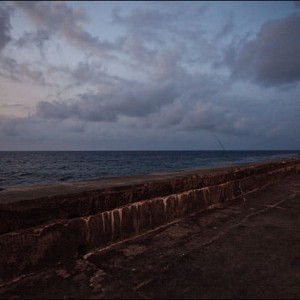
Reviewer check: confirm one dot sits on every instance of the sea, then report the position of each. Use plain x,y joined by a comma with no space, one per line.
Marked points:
19,168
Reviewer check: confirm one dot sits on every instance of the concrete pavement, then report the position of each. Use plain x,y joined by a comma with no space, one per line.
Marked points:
246,249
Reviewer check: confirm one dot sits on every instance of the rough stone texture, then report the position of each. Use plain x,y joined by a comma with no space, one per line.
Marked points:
42,231
242,250
29,206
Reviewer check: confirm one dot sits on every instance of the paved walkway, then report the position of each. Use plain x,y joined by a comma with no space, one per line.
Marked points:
247,249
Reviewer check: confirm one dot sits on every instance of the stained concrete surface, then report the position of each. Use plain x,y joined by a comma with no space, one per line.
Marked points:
247,249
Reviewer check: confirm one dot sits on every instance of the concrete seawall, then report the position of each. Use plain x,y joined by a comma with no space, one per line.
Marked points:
45,225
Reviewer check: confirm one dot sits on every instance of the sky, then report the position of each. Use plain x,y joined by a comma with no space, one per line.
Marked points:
149,75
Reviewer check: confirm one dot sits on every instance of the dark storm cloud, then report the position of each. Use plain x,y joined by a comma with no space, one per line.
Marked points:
118,96
4,25
271,58
57,17
175,99
166,82
133,101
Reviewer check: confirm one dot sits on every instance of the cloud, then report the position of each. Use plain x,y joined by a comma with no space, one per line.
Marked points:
146,30
32,133
162,90
87,75
121,97
150,31
37,38
92,72
226,29
272,58
206,110
134,101
57,17
20,72
5,25
297,4
9,127
157,115
141,18
171,98
134,46
154,25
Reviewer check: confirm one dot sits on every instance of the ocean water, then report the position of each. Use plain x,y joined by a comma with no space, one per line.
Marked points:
24,168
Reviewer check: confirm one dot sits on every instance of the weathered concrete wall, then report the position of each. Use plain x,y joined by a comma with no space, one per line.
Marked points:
41,230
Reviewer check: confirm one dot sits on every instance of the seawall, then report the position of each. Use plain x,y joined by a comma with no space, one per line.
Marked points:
43,225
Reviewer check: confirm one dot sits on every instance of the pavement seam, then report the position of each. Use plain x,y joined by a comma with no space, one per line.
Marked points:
158,229
213,239
166,262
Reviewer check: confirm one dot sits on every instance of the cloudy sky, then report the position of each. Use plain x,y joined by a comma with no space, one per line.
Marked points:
153,75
